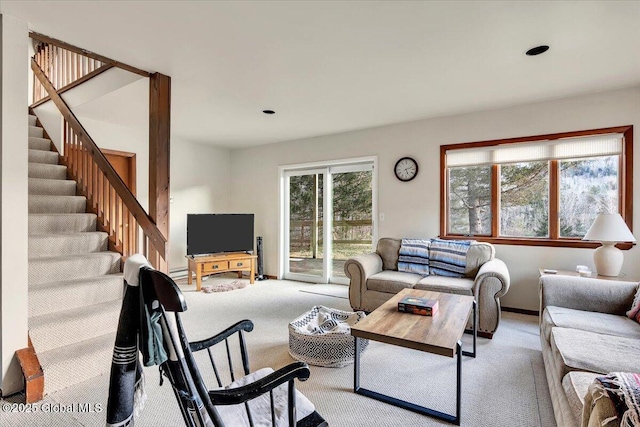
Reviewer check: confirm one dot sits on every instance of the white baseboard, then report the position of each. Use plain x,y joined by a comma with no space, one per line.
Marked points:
179,273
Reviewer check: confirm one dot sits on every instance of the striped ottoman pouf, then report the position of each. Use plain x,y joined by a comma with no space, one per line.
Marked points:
322,337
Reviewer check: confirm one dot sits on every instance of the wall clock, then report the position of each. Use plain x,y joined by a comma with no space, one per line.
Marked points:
406,169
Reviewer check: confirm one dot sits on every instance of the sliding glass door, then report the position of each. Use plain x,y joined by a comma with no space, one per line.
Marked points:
328,217
352,215
305,214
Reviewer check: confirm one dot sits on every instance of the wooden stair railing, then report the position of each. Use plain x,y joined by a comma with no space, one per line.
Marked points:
119,212
58,67
67,66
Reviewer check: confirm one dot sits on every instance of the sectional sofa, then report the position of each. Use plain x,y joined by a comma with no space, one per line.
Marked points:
585,334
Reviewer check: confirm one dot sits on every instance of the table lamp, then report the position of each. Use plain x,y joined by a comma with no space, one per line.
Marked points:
608,229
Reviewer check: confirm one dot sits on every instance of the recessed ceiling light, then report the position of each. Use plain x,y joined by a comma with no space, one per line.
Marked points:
537,50
268,111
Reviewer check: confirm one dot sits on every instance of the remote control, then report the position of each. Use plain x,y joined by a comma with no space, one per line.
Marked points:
549,271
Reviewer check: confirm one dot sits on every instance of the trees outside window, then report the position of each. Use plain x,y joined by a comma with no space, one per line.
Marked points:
328,210
587,187
305,215
352,214
470,200
544,190
524,199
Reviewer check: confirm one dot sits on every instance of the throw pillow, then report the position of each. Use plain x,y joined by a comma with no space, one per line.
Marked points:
448,257
413,256
634,313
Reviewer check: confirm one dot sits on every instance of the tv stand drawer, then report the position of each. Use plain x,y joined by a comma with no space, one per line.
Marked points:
215,266
239,264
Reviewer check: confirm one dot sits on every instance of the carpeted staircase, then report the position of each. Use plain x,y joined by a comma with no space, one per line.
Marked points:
75,285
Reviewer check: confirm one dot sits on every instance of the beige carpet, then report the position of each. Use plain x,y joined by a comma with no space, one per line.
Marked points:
504,386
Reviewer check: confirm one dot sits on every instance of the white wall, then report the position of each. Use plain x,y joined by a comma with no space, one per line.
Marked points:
51,119
116,96
412,209
200,173
199,177
13,200
124,138
31,53
200,183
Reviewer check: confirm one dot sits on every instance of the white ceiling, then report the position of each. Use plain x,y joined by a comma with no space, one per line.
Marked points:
334,66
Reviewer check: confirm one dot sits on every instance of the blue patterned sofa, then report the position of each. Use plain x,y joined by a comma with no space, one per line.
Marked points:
374,278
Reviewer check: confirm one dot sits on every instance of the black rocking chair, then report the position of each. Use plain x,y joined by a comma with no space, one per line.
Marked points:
265,397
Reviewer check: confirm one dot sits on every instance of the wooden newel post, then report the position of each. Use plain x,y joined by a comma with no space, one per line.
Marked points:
159,136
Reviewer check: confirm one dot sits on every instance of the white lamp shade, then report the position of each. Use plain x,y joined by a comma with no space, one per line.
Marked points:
609,227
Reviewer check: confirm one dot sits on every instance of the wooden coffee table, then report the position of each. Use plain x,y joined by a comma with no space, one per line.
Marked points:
439,334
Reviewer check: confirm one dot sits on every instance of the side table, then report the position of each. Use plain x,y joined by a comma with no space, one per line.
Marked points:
622,277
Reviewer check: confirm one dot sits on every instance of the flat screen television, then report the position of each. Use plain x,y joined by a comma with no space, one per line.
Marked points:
215,233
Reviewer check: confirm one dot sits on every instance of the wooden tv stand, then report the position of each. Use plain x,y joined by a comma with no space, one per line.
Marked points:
212,264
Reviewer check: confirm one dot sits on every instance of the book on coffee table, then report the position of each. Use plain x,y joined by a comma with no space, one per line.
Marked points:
415,305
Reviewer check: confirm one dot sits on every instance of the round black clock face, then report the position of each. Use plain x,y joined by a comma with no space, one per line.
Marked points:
406,169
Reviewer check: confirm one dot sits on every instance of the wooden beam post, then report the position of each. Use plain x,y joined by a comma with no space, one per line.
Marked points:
159,136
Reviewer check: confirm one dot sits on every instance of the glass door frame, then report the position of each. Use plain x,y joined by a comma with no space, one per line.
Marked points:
328,168
287,227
